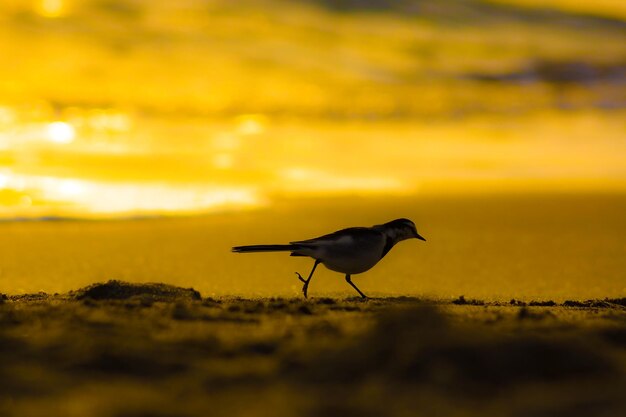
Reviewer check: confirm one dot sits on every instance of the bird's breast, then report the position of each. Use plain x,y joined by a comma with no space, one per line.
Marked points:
353,258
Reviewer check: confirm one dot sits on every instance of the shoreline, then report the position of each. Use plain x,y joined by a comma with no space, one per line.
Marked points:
116,290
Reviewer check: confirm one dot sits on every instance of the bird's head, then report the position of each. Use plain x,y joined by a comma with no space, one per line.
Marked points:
400,229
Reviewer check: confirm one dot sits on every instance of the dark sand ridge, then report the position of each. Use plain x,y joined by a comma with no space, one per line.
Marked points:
155,292
120,349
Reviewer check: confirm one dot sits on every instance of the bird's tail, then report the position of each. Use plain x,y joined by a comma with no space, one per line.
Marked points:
264,248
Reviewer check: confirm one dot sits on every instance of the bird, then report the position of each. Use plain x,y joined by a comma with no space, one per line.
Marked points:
348,251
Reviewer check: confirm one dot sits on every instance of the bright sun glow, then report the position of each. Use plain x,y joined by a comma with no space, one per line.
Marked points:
70,188
4,180
78,197
51,8
61,132
252,124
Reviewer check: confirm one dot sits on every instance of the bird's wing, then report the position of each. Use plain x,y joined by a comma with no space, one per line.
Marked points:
352,246
345,235
357,232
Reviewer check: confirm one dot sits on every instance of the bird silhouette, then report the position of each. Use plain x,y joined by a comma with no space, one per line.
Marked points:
349,251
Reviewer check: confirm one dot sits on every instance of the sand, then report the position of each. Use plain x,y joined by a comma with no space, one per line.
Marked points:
493,247
120,349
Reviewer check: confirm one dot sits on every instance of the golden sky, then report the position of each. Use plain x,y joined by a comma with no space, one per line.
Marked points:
150,107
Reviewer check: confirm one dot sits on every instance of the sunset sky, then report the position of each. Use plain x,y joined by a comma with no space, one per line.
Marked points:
116,108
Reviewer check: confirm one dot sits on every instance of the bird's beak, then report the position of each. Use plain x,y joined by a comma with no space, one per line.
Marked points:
417,236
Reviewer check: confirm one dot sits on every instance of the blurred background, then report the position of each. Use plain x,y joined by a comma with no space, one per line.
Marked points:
112,107
141,108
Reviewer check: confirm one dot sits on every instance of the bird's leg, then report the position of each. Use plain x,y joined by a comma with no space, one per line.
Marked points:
305,288
300,277
349,281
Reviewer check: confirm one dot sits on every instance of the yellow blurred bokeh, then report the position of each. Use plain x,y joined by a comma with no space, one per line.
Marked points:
228,105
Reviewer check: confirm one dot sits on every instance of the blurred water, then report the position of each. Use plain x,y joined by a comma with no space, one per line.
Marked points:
247,161
207,106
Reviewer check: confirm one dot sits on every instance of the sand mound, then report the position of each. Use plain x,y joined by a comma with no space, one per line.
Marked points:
120,290
422,346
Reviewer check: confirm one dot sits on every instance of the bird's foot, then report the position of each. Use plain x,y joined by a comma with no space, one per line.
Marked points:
305,287
300,277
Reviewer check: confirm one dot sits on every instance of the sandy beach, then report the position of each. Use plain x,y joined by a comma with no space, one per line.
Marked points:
120,350
496,247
